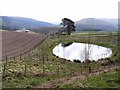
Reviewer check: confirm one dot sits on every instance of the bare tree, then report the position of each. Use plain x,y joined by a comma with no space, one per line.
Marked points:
87,52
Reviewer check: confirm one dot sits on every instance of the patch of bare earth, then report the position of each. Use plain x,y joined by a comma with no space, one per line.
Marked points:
80,76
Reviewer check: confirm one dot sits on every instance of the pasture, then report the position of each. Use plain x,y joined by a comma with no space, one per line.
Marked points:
41,69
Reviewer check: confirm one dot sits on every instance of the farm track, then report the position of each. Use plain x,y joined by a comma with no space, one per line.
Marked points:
14,43
79,76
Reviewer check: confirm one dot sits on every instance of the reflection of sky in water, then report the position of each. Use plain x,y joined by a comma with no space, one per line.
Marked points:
81,51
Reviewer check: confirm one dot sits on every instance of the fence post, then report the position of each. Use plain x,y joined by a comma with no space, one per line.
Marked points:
4,69
25,69
20,56
6,59
43,64
14,57
89,69
25,56
5,65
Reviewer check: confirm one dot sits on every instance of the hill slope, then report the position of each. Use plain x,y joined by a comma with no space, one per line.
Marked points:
20,22
112,21
96,24
11,23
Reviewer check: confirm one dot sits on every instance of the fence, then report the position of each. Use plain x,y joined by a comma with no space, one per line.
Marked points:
24,49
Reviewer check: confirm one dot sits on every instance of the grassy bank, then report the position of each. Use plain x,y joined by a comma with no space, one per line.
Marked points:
41,66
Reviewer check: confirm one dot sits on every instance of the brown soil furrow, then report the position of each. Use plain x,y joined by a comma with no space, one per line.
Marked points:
14,44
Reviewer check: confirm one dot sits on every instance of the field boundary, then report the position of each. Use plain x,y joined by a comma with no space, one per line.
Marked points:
36,41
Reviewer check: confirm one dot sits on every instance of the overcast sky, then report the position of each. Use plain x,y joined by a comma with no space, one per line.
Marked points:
55,10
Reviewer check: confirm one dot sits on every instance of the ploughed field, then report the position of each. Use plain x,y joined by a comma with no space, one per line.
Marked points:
19,43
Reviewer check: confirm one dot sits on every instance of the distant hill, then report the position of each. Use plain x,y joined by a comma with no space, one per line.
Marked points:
12,23
112,21
96,24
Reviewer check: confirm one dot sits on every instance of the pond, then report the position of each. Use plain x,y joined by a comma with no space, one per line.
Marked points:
81,51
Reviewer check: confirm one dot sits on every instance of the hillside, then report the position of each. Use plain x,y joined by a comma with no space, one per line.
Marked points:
11,23
112,21
96,24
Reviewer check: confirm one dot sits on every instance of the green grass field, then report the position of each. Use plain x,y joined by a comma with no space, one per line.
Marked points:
104,80
42,66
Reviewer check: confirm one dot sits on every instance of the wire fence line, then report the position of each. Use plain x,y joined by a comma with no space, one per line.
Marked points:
21,47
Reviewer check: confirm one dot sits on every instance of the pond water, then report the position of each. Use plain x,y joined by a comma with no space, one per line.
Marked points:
81,52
